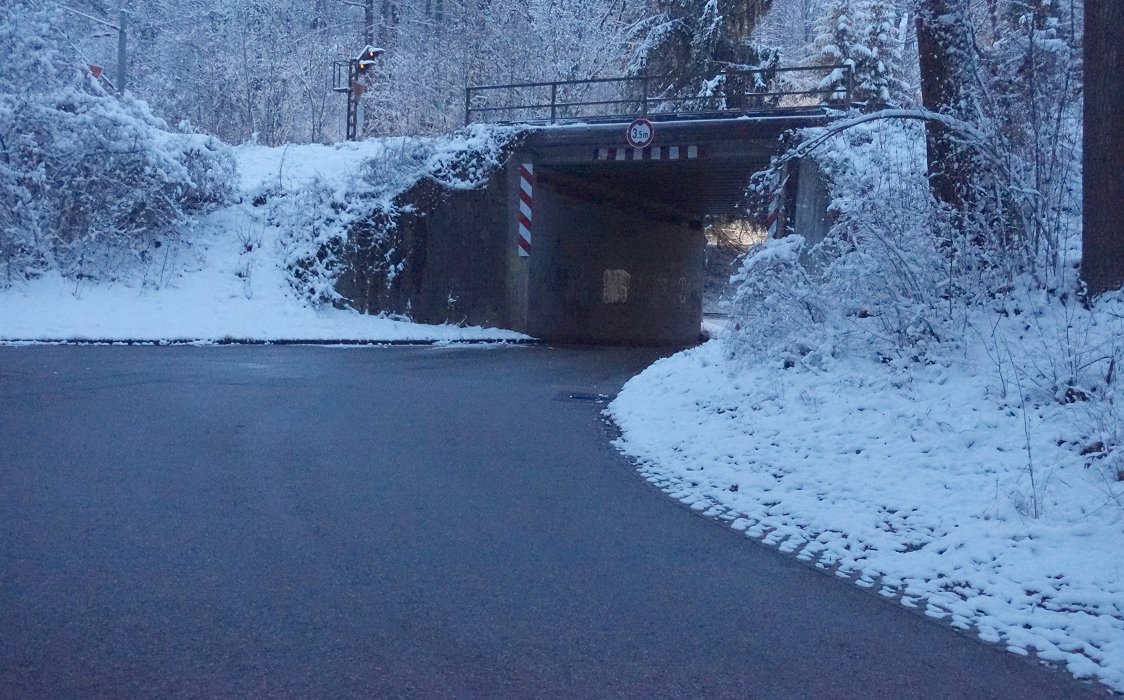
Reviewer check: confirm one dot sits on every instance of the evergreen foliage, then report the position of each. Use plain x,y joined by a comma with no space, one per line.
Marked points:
878,66
690,45
838,43
862,35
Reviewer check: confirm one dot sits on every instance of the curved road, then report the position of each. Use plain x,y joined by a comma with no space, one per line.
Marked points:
423,523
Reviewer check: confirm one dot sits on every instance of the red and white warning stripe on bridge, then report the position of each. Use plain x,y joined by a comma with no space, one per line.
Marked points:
772,222
526,207
649,153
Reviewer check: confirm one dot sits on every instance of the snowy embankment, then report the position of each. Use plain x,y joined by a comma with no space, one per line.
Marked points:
945,485
227,280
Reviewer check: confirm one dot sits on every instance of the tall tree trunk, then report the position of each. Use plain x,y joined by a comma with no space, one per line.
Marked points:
947,60
1102,259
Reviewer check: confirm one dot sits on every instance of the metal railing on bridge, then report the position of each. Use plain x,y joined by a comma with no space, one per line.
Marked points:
738,93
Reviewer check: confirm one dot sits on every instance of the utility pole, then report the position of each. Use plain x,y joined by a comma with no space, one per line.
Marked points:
122,42
122,51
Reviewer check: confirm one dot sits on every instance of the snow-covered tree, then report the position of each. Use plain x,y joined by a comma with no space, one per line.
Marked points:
839,42
92,184
877,65
689,45
251,68
791,25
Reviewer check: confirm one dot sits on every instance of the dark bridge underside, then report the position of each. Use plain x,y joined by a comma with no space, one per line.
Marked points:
686,191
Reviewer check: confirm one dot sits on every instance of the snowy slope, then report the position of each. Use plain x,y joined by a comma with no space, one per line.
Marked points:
227,282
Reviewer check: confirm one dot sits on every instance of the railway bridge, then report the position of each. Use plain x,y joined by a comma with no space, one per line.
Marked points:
594,229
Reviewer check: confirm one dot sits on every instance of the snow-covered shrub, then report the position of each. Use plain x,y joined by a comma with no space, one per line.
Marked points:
878,284
1058,357
775,313
994,284
313,222
330,231
92,183
885,268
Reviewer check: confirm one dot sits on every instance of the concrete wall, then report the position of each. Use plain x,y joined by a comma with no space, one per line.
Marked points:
810,216
451,258
605,272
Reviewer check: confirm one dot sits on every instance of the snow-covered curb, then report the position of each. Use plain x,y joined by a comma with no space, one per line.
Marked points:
916,483
209,305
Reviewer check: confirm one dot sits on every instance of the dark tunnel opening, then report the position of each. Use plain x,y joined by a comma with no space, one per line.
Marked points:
622,248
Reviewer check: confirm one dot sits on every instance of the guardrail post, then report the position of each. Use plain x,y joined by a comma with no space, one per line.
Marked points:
553,102
467,106
644,97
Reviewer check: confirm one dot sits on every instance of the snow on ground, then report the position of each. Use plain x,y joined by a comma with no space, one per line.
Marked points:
917,480
214,288
293,165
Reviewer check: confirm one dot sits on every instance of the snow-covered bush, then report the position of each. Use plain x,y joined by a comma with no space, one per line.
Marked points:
92,183
878,284
907,269
908,280
330,230
775,312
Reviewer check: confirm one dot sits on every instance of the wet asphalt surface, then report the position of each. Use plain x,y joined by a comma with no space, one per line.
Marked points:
409,522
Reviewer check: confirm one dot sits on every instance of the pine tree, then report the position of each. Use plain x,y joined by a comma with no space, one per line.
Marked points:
690,44
838,43
878,59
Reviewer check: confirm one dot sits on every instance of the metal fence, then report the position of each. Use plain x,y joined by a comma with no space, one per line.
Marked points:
610,99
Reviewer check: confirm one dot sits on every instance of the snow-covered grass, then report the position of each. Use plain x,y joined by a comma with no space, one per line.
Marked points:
953,482
227,279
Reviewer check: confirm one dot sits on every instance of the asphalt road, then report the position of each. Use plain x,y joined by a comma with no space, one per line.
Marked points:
425,523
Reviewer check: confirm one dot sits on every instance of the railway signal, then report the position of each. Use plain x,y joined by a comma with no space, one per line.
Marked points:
349,77
368,58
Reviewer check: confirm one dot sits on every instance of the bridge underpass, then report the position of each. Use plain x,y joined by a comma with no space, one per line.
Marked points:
584,237
617,242
581,238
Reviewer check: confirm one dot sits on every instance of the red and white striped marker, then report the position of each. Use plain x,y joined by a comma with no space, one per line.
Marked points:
772,222
526,208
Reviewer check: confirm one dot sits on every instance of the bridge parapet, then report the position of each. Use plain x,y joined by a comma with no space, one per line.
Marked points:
747,92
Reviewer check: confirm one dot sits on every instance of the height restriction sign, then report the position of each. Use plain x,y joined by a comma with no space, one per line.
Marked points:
640,133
